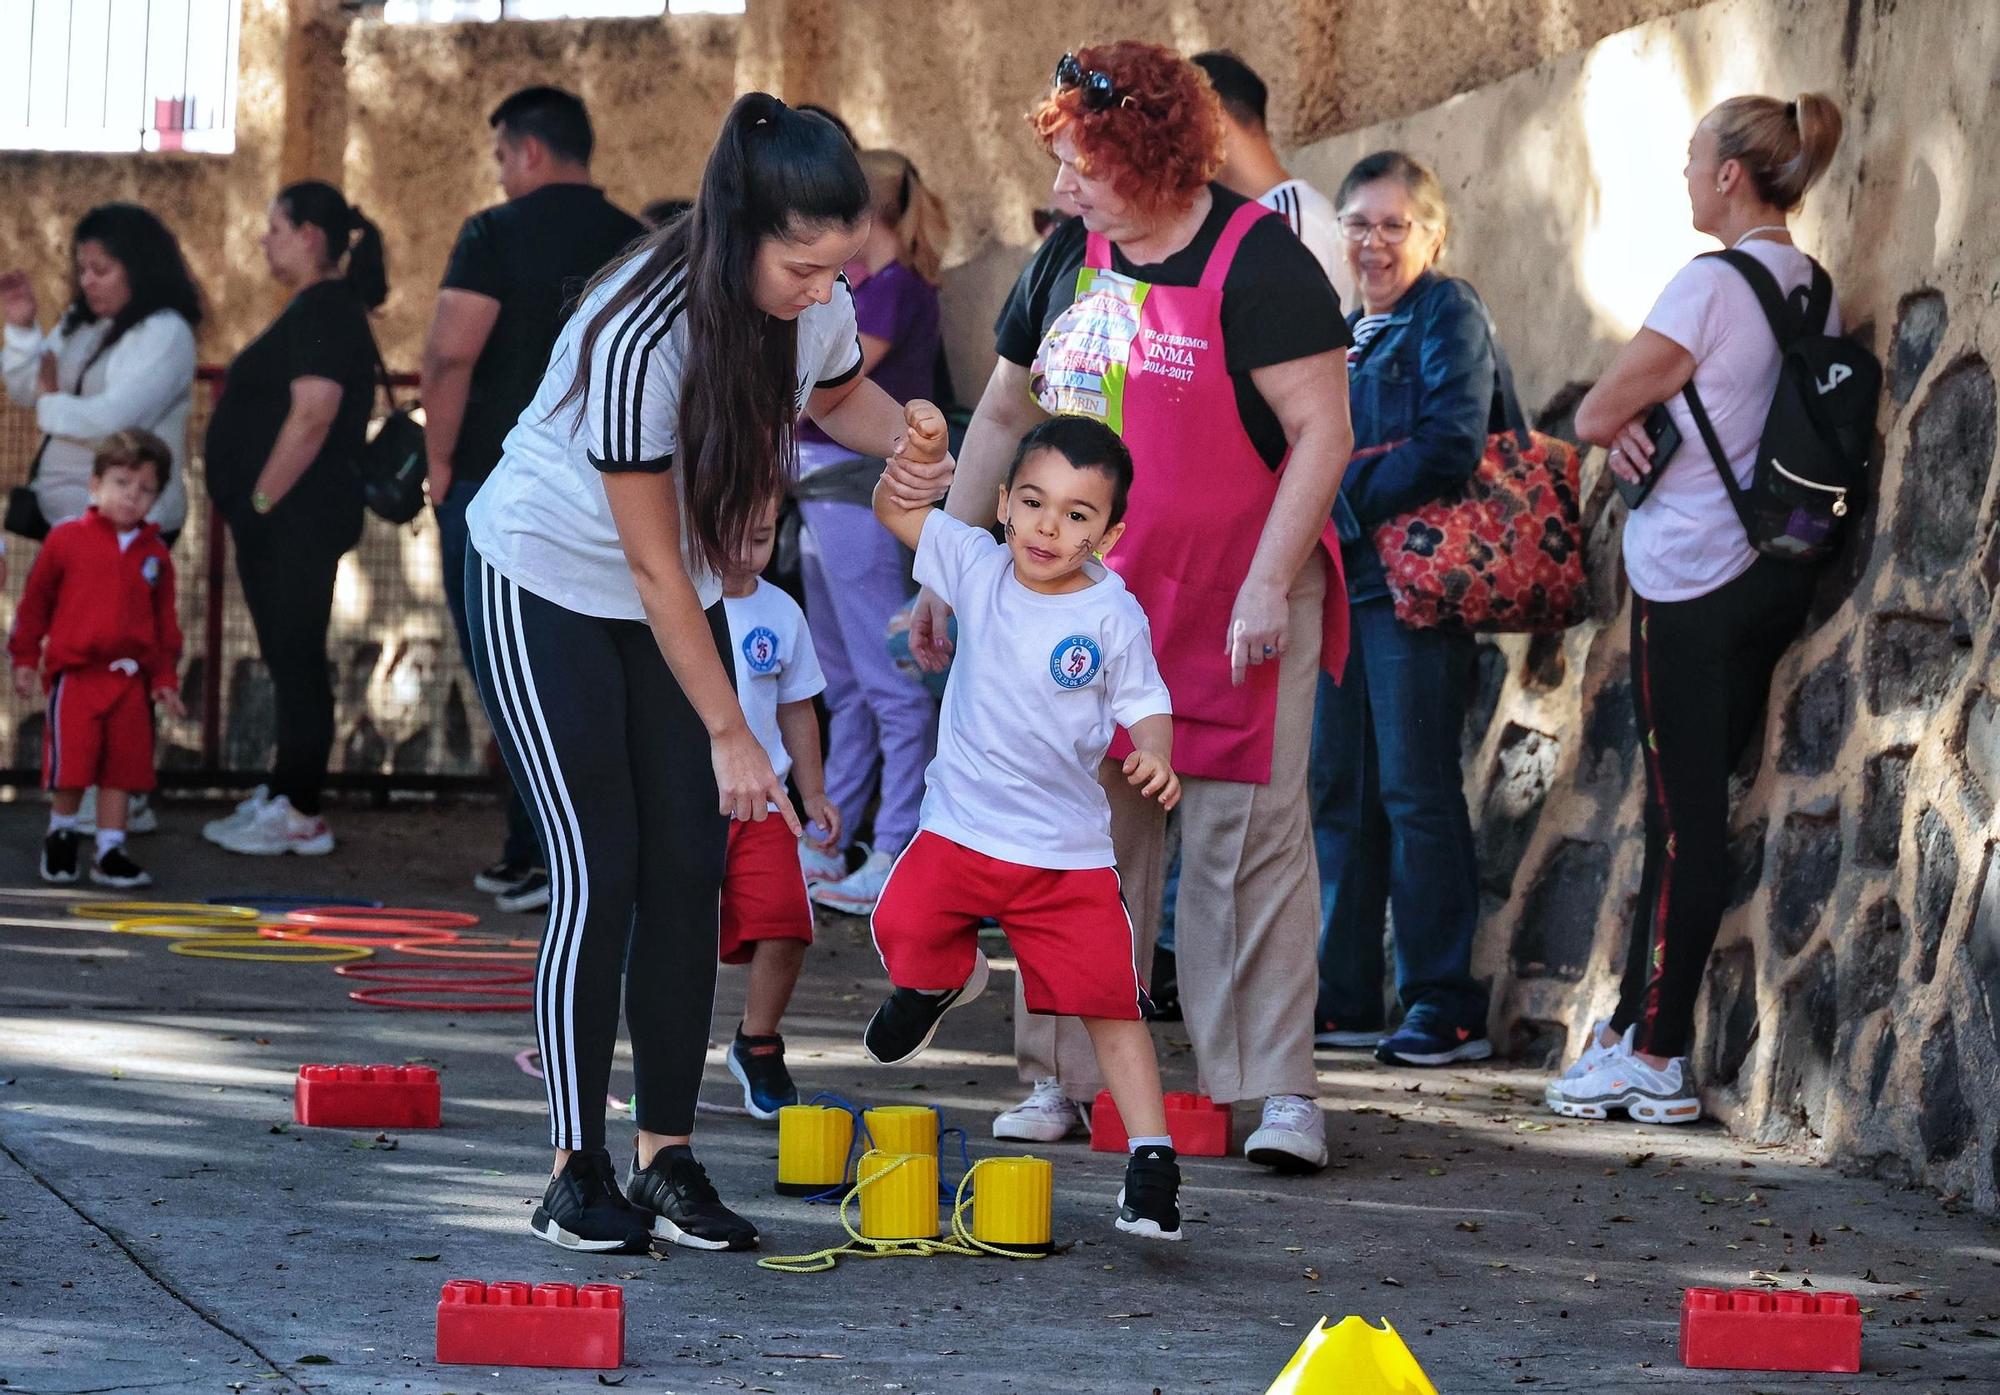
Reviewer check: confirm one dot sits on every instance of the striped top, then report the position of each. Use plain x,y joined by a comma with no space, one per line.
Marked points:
1310,216
1365,329
542,519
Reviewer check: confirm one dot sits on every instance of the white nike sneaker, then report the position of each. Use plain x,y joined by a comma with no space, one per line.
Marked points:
140,816
856,893
1046,1116
1291,1137
1647,1094
239,816
279,828
1594,1053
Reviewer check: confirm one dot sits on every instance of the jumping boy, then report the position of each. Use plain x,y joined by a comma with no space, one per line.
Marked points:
101,595
1053,653
766,919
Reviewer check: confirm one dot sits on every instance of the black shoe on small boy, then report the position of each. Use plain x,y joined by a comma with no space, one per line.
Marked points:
1149,1202
909,1017
114,868
62,851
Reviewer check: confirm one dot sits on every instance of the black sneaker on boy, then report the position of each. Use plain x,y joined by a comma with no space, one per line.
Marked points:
1149,1202
909,1017
584,1210
61,853
114,868
683,1203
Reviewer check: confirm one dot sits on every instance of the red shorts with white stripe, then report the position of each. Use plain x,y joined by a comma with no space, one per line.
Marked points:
99,732
763,888
1068,928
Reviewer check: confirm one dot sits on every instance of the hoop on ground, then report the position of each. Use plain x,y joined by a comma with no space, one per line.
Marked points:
181,927
128,910
442,949
416,975
255,949
512,999
279,902
413,917
372,936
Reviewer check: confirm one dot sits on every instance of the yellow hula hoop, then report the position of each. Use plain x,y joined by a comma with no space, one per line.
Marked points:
176,927
255,949
128,910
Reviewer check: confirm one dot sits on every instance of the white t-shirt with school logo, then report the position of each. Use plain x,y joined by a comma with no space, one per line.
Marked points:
775,663
542,519
1038,686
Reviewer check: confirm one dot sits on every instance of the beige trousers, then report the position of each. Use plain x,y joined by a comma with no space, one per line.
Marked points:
1247,917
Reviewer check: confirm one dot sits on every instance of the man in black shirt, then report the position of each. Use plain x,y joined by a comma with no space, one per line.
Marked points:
515,273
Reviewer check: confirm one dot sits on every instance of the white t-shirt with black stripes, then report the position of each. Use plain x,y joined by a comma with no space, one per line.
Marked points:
542,519
1310,216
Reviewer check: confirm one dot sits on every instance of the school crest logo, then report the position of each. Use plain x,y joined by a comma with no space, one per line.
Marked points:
1075,661
150,569
760,649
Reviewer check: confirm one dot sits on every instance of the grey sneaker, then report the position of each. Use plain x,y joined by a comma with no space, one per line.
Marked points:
1647,1094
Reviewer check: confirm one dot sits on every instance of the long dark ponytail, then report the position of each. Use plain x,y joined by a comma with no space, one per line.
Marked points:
774,172
349,234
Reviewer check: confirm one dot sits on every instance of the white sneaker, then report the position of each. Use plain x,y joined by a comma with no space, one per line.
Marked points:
1621,1080
1045,1116
238,817
1594,1052
1292,1136
86,813
856,893
279,828
820,867
140,816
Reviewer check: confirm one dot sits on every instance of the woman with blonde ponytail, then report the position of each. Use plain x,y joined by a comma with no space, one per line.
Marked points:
1710,615
883,722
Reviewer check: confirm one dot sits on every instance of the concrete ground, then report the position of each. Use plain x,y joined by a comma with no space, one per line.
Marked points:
163,1225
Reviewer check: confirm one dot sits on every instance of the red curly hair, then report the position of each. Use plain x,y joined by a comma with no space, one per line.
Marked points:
1159,143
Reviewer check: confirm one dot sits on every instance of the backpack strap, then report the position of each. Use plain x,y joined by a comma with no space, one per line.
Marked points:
1783,317
1738,497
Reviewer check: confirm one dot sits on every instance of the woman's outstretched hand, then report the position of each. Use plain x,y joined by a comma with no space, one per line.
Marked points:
745,782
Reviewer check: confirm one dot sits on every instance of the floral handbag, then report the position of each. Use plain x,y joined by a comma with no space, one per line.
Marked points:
1502,555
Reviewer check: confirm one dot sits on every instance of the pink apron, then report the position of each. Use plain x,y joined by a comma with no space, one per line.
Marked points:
1148,361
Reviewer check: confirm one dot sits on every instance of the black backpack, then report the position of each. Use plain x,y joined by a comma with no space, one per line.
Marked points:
1812,460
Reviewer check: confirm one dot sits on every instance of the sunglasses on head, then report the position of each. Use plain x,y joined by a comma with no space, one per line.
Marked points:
1099,91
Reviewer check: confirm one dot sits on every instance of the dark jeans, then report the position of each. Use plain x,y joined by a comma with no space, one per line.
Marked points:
1391,828
287,564
521,846
1701,670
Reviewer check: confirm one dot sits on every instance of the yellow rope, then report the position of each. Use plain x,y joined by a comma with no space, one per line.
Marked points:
859,1246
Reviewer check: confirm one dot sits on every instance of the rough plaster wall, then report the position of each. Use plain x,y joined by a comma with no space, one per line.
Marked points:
1855,993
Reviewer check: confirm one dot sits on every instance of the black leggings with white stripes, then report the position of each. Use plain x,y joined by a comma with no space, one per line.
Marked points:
615,766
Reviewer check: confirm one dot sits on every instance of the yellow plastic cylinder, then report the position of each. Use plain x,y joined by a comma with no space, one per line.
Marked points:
1011,1202
902,1128
903,1205
813,1142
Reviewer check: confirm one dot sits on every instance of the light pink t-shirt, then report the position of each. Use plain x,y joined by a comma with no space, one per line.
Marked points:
1685,540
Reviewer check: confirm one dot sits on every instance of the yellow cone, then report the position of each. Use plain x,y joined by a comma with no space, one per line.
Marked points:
1353,1358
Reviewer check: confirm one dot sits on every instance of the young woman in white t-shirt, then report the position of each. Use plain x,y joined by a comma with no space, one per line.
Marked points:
1710,616
665,420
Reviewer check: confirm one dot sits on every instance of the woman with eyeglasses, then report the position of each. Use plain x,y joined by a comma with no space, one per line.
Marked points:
1194,323
1389,819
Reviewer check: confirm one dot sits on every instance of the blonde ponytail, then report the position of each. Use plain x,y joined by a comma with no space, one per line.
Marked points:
903,201
1783,146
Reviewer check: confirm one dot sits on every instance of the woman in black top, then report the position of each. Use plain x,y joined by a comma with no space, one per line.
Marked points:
281,451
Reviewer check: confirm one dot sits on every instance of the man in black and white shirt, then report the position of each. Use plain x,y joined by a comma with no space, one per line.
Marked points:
1250,165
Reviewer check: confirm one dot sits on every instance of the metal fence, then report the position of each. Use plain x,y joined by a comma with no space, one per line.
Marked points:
406,714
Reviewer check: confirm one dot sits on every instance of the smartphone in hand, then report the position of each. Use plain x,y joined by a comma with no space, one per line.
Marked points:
1666,439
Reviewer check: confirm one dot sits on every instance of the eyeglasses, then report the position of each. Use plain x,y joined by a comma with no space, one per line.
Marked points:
1099,91
1390,232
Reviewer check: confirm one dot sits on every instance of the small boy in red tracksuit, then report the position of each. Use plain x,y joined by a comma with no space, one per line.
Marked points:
96,627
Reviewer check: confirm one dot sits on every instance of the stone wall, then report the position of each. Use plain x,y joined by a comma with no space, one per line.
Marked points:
1855,994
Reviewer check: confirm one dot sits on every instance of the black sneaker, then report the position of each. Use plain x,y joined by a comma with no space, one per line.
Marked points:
584,1210
1149,1202
758,1063
61,852
114,868
684,1205
909,1017
531,893
501,876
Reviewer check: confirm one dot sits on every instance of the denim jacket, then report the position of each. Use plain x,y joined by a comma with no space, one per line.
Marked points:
1426,383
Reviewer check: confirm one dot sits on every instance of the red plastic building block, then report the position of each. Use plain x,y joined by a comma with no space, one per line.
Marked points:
1754,1329
1198,1125
367,1097
512,1324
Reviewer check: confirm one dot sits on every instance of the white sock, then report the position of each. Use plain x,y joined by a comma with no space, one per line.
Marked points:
63,823
1133,1145
109,838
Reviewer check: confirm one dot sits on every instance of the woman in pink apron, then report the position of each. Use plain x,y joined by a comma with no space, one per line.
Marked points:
1196,325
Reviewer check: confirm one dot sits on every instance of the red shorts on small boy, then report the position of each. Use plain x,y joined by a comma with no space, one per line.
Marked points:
763,888
99,731
1068,929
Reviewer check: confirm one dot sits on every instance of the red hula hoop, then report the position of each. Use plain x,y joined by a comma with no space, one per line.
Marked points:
516,999
347,918
454,976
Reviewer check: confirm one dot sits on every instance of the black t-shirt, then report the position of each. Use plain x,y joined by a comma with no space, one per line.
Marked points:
533,255
1277,304
323,333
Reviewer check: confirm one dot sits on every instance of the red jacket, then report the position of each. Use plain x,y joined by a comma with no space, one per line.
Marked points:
95,603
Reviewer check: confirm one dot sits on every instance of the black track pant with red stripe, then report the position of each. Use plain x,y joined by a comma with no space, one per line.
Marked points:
1701,670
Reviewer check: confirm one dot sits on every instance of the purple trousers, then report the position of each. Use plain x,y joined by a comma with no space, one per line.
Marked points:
883,724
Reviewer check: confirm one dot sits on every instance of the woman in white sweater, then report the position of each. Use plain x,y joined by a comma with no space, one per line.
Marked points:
121,356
